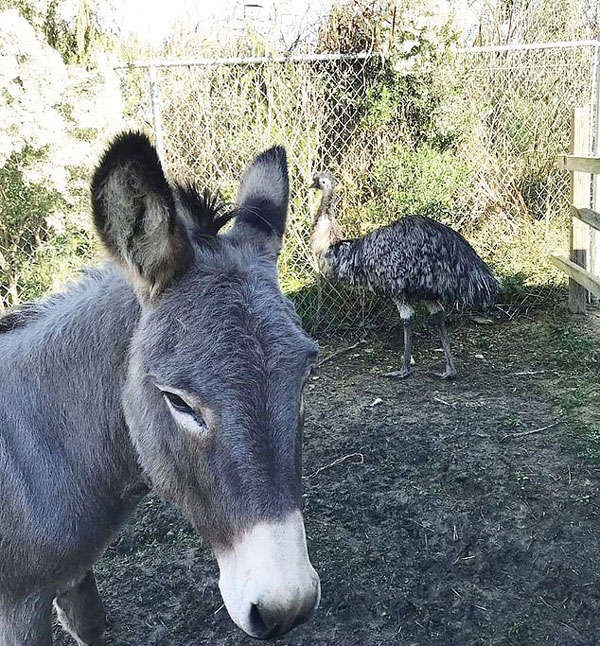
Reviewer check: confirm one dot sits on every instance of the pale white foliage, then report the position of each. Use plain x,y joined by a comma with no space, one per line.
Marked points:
425,26
54,118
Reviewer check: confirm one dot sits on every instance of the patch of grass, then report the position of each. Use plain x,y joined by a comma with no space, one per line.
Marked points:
580,499
576,396
371,355
574,349
591,443
573,346
512,421
521,477
512,286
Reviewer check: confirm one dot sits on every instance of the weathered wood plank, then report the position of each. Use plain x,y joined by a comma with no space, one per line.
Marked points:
580,198
577,273
578,163
587,215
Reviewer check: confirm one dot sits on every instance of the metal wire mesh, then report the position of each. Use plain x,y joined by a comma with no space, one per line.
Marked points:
215,118
521,102
512,107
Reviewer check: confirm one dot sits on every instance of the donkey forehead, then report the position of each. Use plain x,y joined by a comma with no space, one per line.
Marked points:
221,316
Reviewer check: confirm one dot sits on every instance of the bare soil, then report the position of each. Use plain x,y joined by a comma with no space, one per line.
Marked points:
460,513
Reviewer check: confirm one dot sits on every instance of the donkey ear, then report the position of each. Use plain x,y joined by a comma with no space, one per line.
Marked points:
263,196
134,214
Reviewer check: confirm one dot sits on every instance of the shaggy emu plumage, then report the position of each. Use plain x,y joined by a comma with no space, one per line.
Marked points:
413,259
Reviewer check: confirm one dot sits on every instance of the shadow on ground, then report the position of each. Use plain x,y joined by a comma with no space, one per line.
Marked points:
467,514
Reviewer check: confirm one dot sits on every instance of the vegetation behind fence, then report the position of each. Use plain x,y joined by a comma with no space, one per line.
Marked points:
468,137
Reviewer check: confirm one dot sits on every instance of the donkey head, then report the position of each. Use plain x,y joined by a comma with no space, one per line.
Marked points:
213,396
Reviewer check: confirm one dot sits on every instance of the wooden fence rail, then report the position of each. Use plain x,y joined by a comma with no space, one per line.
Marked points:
581,280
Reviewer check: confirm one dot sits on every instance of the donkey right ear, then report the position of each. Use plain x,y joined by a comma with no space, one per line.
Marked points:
263,196
134,214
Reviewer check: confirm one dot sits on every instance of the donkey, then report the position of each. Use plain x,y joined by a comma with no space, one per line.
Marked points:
177,365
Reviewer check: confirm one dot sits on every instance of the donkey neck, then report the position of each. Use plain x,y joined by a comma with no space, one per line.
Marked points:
60,386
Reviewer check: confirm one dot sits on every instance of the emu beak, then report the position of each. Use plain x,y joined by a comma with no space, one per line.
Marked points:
315,184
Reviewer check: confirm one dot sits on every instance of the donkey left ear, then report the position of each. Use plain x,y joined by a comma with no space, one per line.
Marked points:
134,214
263,196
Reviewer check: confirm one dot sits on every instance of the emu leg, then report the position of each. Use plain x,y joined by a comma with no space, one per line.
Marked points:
81,613
439,316
406,313
27,621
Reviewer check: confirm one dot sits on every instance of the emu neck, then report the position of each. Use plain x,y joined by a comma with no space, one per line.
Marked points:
326,206
326,231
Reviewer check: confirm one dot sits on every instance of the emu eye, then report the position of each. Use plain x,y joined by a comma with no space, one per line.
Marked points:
178,403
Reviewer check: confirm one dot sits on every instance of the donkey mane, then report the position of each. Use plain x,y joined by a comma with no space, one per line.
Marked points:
207,212
20,315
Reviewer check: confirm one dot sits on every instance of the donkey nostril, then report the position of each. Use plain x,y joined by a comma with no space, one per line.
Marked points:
257,623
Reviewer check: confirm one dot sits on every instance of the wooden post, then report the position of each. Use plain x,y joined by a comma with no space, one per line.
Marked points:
594,262
580,198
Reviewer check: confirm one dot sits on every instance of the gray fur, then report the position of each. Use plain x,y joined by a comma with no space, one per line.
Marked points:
83,426
135,215
413,259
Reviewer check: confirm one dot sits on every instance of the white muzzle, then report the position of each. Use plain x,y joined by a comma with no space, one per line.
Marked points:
267,581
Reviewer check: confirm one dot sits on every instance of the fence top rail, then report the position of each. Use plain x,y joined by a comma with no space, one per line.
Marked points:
309,58
580,275
579,163
253,60
559,44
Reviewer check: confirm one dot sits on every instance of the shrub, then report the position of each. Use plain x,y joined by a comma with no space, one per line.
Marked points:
54,120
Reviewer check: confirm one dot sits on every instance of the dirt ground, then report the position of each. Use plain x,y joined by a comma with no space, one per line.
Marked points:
460,513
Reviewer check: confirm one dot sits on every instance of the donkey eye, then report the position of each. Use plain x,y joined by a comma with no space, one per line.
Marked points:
184,414
177,402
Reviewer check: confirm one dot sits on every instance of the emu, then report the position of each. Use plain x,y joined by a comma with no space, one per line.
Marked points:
177,365
413,259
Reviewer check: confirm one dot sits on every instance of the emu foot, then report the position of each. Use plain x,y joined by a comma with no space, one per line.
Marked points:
398,374
449,373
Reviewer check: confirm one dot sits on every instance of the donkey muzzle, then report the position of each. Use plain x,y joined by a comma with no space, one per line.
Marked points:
267,581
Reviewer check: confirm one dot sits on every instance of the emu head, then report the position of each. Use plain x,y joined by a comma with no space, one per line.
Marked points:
324,181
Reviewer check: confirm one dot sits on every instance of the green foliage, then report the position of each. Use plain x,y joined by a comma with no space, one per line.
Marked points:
512,286
407,133
75,42
34,258
52,129
523,21
421,180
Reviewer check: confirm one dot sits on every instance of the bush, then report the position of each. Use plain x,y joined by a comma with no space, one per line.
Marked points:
54,120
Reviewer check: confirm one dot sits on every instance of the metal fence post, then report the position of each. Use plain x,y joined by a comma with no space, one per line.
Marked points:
157,114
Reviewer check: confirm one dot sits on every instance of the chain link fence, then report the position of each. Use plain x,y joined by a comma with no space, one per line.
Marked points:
521,102
214,117
471,141
507,110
